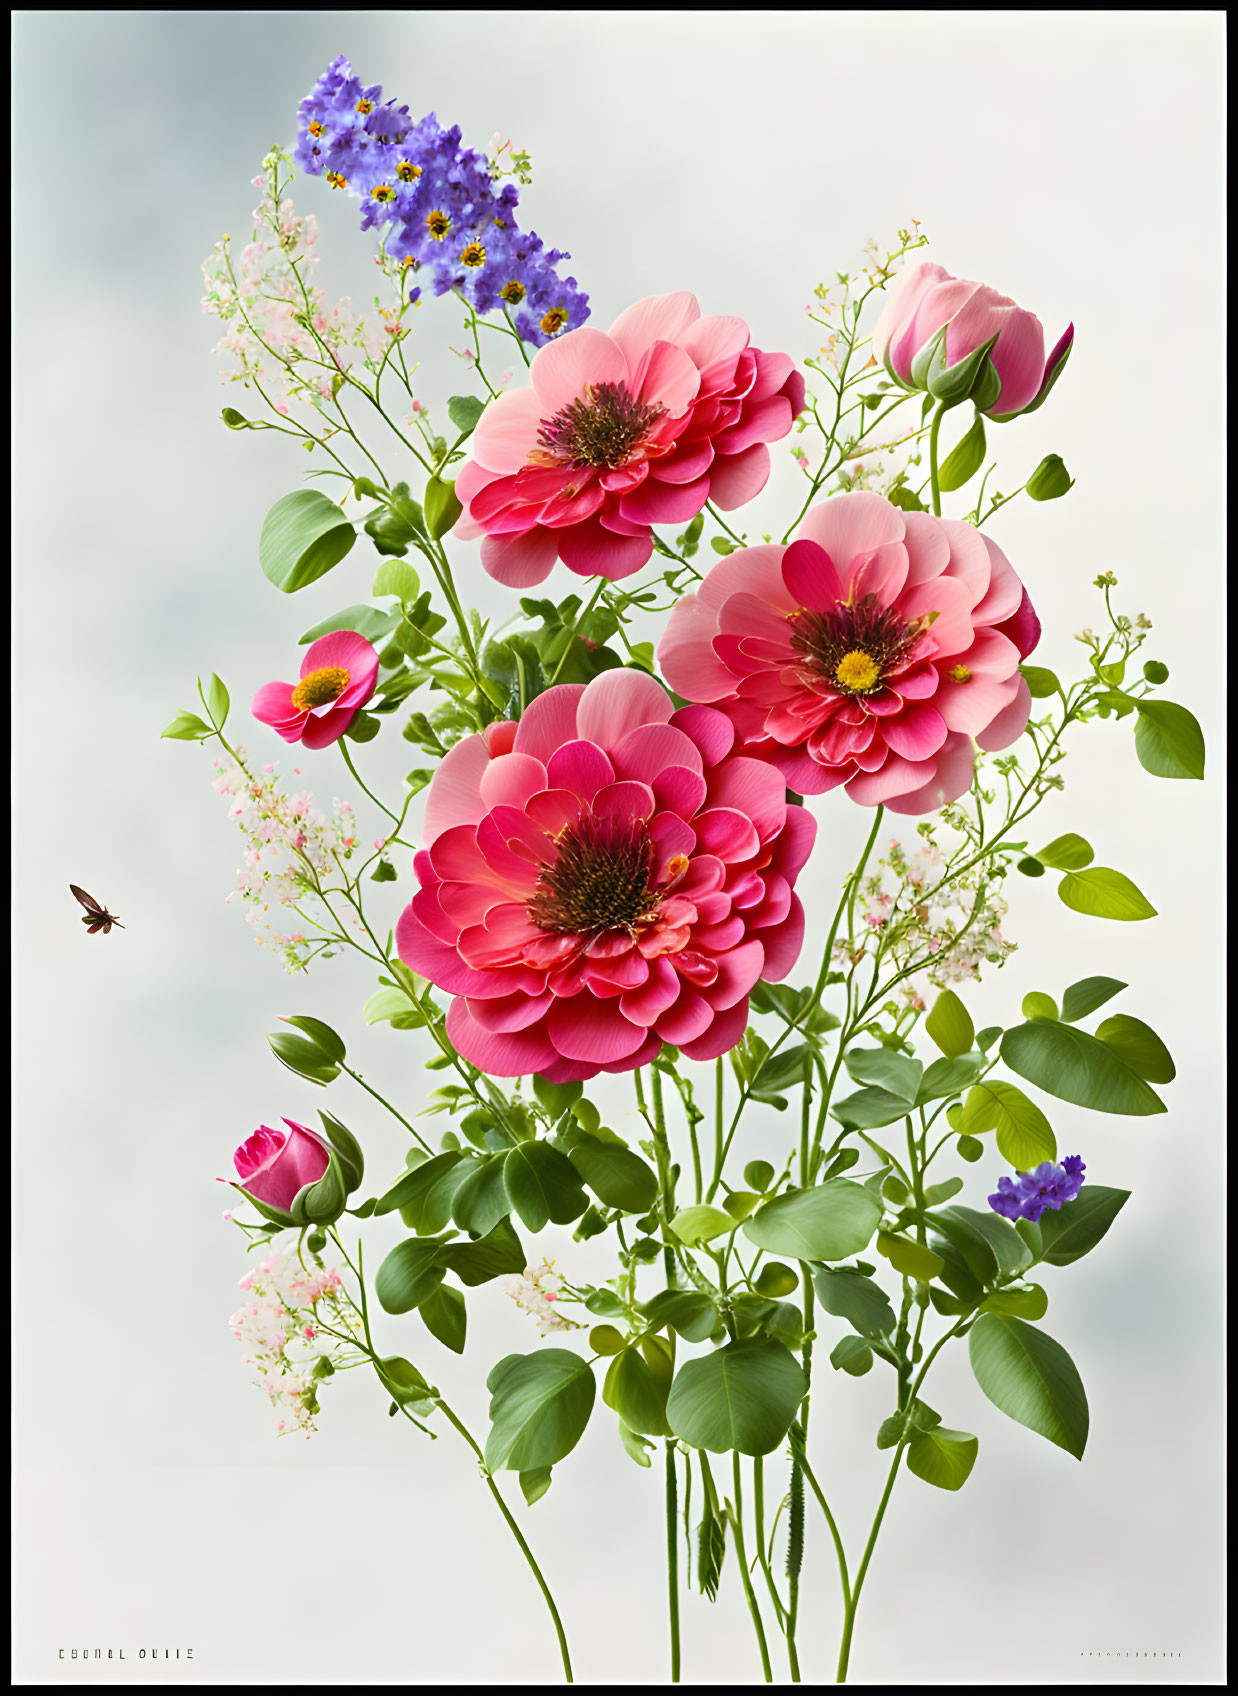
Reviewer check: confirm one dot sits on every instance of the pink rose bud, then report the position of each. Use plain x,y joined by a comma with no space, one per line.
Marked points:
956,338
274,1165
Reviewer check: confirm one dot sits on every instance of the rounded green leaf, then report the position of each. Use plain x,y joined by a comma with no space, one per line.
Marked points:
636,1386
1077,1226
1050,480
616,1176
1024,1136
540,1405
446,1316
1087,995
1168,740
1030,1302
543,1185
402,1381
303,1057
396,577
186,727
1031,1379
606,1339
408,1275
700,1224
897,1073
1037,1005
1105,894
499,1251
855,1298
1041,682
744,1397
303,536
831,1222
1139,1046
852,1355
481,1199
908,1257
949,1024
942,1457
990,1245
775,1280
689,1312
442,507
1074,1066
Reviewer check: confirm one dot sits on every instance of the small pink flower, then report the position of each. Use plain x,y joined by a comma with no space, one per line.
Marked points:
601,878
338,675
622,430
273,1165
928,306
380,842
869,652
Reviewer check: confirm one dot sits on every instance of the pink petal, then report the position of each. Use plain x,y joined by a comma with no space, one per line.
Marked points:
735,478
761,421
713,732
617,702
687,463
915,734
715,342
591,549
928,550
509,1012
660,317
952,601
510,780
1023,628
624,801
1010,722
810,577
656,502
548,721
969,558
432,958
1005,592
847,525
563,370
454,795
724,832
686,653
782,943
754,789
795,843
642,1006
512,1054
900,302
690,1017
273,705
680,790
721,1036
951,777
973,706
507,433
519,561
585,1028
322,731
649,749
343,648
581,767
666,377
754,571
881,574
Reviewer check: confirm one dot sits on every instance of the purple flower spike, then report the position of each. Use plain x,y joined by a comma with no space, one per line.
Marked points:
1028,1194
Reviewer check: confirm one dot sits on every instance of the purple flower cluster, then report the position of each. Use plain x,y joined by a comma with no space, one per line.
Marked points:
447,215
1028,1194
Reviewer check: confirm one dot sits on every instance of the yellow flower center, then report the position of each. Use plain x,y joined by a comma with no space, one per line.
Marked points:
959,674
336,180
407,172
384,191
315,128
512,293
438,224
365,107
407,262
473,255
319,687
554,321
857,670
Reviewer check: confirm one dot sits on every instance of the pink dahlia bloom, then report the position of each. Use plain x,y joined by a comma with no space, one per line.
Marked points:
338,675
622,429
274,1165
933,321
601,878
869,652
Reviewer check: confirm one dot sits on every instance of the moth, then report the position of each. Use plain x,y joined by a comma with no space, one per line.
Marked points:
95,917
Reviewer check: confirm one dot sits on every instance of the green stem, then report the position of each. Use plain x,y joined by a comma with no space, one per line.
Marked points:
737,1526
412,1131
758,1516
844,1653
518,1535
357,779
672,1555
933,483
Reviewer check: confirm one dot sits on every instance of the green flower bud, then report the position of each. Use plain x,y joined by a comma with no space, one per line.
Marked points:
1155,672
1050,480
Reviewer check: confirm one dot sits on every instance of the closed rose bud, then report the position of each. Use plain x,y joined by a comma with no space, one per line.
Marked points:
933,330
1050,480
274,1165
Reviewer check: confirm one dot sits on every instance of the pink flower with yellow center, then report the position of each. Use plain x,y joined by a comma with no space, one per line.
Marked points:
338,675
871,651
621,430
603,877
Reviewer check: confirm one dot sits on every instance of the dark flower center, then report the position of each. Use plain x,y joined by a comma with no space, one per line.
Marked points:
600,881
603,428
853,647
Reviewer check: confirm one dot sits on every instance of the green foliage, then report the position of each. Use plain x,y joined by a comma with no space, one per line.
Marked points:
1087,1070
831,1222
1031,1379
851,1355
409,1274
637,1383
499,1251
950,1026
962,464
942,1457
694,1225
446,1316
1069,853
1028,1301
1024,1135
910,1258
857,1299
303,537
990,1245
1041,682
534,1484
1168,740
480,1200
896,1073
1050,480
689,1312
1077,1226
186,727
465,413
743,1396
1086,996
303,1056
616,1176
1105,894
539,1407
543,1185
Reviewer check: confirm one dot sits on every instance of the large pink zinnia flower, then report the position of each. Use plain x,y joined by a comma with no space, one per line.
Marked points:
338,675
600,878
869,652
638,425
932,321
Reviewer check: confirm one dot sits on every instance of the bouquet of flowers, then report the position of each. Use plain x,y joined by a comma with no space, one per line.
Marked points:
618,791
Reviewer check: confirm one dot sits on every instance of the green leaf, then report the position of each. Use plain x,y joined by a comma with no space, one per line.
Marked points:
1105,894
442,507
637,1384
990,1245
948,1077
831,1222
950,1026
303,1057
913,1259
1031,1379
329,1041
896,1073
217,701
855,1298
744,1396
853,1355
392,1006
935,1194
403,1383
616,1176
465,412
543,1185
700,1224
1086,996
640,1448
303,536
1074,1066
346,1148
690,1312
942,1457
481,1199
1037,1005
1030,1302
775,1280
1050,480
446,1316
1077,1226
411,1194
186,727
499,1251
1069,853
1024,1135
868,1109
540,1404
396,577
965,460
366,621
556,1098
534,1484
1041,682
409,1274
1168,740
1139,1047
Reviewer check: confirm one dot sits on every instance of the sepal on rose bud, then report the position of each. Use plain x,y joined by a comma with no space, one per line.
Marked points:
972,377
347,1149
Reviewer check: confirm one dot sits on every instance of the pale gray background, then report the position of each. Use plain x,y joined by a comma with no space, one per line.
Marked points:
1071,159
